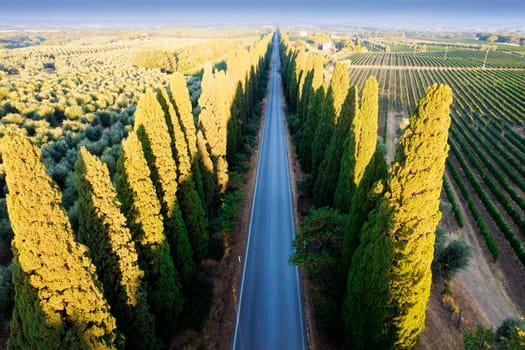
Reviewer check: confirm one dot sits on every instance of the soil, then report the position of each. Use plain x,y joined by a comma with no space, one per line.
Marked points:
482,294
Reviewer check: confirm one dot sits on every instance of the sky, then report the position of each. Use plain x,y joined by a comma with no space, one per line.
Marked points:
446,12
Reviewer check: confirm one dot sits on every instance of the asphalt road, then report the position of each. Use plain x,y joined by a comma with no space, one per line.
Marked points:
269,312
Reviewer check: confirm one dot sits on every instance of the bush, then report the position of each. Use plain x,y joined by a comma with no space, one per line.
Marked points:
318,249
450,259
508,327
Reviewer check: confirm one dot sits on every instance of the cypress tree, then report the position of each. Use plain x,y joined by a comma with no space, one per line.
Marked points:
208,170
339,85
141,207
181,101
213,123
318,70
222,92
328,173
314,113
305,83
359,146
152,131
323,133
58,300
389,278
190,203
364,200
103,229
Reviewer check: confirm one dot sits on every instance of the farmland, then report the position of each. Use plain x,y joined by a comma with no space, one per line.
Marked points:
88,93
483,199
486,138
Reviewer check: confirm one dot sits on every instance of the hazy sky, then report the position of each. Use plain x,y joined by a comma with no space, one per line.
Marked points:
398,11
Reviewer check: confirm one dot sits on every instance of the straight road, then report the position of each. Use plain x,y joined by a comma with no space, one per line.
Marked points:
269,314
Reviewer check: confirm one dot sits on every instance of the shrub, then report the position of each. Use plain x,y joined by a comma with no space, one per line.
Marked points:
450,259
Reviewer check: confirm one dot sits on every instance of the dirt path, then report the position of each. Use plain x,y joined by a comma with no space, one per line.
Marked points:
391,136
481,281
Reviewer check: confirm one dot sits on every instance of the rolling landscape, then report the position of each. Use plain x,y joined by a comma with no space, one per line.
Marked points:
279,175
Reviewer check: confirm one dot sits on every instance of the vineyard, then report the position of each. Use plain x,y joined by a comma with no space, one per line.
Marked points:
453,57
487,157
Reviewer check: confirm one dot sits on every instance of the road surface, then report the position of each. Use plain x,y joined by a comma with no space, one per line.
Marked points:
269,314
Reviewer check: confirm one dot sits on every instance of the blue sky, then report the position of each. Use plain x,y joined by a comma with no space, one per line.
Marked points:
396,11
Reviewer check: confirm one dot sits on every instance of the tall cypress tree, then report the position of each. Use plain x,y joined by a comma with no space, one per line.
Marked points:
209,182
141,207
58,300
314,113
364,200
389,278
318,70
305,83
181,101
213,123
359,146
190,202
152,131
328,173
339,85
103,229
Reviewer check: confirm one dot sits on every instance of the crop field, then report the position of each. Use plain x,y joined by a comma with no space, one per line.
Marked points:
487,138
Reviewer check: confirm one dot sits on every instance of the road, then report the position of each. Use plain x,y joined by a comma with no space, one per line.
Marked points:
269,314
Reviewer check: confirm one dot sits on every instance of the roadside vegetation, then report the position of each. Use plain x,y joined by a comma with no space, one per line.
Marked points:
135,163
341,147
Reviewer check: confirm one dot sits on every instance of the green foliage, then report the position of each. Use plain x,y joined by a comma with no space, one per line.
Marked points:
6,235
396,265
318,249
103,229
367,288
192,210
7,293
155,59
364,200
213,121
359,146
70,312
197,307
329,169
209,182
323,133
449,259
489,240
480,339
229,211
452,200
141,207
335,97
510,335
340,83
314,113
183,106
509,326
153,133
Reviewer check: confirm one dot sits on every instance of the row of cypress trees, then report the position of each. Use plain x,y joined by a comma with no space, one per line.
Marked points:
121,280
383,277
